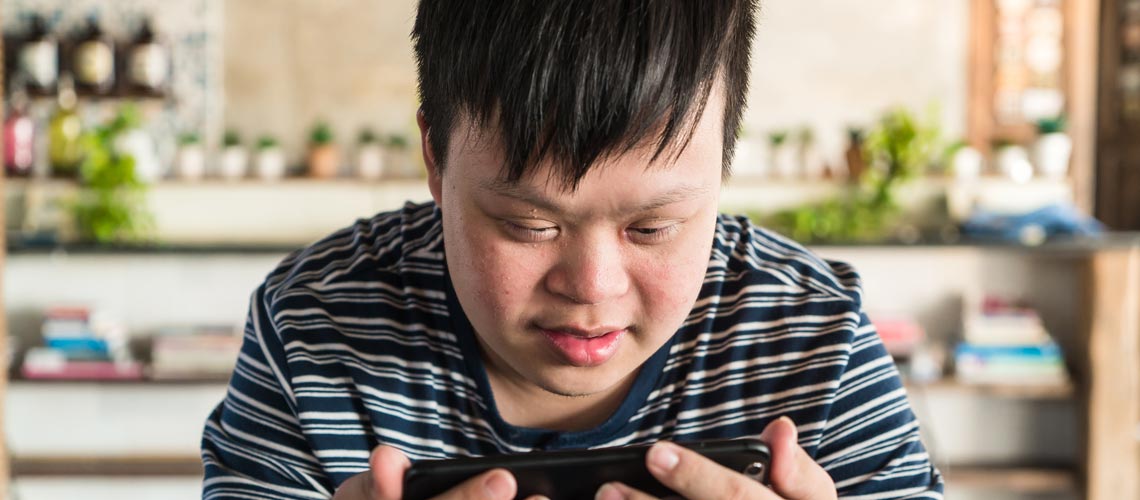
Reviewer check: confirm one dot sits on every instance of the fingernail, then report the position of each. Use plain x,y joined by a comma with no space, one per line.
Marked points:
498,486
664,456
609,492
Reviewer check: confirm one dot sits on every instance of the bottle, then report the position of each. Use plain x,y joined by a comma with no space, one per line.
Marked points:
148,64
93,61
38,58
64,131
19,135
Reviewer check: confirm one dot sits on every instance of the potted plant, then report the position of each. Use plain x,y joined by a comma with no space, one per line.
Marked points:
324,159
190,160
396,147
807,157
234,157
895,151
269,164
1053,148
965,162
781,160
1012,161
111,204
369,155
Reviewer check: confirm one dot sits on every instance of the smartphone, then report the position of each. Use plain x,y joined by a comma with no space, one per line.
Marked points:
577,474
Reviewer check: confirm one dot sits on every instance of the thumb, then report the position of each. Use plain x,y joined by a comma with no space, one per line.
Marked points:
793,474
387,466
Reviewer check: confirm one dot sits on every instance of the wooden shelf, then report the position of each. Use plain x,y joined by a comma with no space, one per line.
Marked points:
135,465
1026,480
1012,391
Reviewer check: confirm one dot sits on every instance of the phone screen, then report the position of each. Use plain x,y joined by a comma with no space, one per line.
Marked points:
577,474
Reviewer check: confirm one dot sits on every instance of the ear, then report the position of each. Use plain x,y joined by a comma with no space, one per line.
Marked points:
435,177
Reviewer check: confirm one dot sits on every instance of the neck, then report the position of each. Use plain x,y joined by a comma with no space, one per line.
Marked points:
527,405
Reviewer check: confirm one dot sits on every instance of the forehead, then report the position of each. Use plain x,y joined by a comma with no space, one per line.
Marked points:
477,150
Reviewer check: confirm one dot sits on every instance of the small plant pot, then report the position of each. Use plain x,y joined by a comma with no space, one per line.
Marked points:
785,163
324,162
234,163
190,162
1051,153
1013,162
967,164
270,164
370,162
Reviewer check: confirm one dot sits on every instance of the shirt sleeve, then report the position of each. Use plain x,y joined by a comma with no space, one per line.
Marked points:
870,443
253,445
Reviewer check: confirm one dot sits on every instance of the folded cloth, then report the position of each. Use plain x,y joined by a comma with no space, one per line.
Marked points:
1032,228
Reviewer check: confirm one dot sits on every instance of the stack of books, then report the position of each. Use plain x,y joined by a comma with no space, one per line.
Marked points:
1008,344
194,353
77,348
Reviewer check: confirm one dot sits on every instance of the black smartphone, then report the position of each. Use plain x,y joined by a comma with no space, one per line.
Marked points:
577,474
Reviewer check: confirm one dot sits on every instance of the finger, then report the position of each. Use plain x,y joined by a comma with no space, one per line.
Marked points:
696,477
495,484
357,487
384,479
793,474
619,491
388,466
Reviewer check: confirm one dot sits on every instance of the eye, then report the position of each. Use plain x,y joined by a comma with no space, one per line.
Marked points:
531,233
651,234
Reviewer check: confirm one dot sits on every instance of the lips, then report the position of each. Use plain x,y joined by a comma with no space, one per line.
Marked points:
585,347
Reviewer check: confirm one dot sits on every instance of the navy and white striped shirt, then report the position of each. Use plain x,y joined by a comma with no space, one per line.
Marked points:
359,340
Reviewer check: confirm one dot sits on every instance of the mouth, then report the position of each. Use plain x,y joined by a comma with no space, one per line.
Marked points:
584,347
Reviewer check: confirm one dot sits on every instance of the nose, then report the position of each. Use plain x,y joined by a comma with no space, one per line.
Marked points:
590,272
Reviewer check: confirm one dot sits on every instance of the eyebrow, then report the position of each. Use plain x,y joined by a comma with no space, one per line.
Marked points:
515,191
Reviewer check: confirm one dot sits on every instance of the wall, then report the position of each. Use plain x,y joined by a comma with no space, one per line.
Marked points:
824,63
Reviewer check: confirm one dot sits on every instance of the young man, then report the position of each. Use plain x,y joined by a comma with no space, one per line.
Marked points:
571,286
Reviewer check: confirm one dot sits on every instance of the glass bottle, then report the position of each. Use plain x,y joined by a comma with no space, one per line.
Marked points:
19,135
93,61
38,58
148,64
64,131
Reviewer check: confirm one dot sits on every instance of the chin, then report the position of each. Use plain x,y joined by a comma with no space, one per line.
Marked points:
579,383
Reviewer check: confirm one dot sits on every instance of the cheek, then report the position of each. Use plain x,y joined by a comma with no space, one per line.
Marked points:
494,276
671,282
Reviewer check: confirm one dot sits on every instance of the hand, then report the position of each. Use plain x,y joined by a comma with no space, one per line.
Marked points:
793,474
384,480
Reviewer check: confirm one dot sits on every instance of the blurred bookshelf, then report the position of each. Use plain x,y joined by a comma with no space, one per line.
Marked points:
1042,480
1011,391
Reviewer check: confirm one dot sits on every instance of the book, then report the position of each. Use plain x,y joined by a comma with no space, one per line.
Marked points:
1010,364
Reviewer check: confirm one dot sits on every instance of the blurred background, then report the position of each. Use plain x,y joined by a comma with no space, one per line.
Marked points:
978,161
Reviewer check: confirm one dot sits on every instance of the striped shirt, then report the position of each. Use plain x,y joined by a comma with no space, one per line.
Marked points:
358,340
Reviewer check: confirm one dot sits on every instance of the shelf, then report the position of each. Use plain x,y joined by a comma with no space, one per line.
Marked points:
133,465
137,382
16,247
1024,480
298,210
1057,392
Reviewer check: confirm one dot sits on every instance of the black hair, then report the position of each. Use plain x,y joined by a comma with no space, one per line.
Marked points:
576,80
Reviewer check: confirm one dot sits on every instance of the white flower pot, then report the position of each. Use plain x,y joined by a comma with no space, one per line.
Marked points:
967,164
1013,162
191,162
370,162
233,164
1051,154
270,164
783,162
